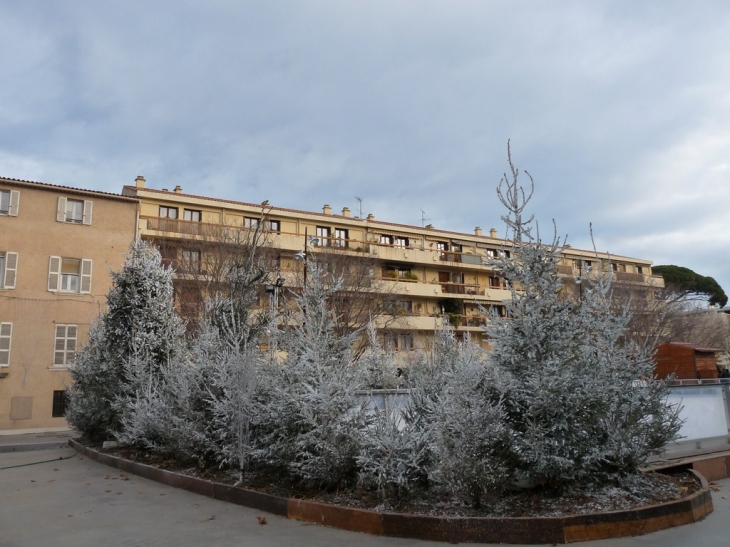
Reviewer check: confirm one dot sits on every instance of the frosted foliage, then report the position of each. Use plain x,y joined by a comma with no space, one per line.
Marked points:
394,457
568,388
378,363
311,415
469,430
138,336
213,404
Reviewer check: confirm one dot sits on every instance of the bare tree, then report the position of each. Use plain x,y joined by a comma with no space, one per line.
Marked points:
206,256
361,295
665,315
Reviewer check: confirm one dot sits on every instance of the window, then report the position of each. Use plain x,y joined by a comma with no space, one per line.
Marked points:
168,212
341,237
191,260
323,235
69,275
442,246
168,254
395,341
8,269
405,342
9,202
64,353
494,253
74,211
386,240
6,331
190,214
189,300
401,241
59,404
639,270
390,341
269,225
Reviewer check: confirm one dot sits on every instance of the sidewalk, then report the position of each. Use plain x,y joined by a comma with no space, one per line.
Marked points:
76,501
35,441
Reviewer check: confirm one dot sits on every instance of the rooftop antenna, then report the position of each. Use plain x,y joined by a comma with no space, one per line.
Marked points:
423,218
359,201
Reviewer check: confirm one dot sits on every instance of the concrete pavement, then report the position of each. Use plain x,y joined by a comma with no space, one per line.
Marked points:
77,502
35,441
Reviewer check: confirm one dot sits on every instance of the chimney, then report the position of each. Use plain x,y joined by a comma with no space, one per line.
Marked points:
371,216
178,189
493,233
327,210
345,212
477,231
139,181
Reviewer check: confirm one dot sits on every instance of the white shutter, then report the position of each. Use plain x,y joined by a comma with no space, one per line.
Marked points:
14,203
11,267
61,210
6,331
71,334
85,276
88,207
54,273
59,348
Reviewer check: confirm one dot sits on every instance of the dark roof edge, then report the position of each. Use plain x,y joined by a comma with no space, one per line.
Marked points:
67,189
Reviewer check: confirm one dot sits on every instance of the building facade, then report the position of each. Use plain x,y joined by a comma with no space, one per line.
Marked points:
428,273
57,247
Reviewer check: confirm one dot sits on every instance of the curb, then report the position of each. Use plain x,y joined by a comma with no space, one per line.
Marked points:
522,530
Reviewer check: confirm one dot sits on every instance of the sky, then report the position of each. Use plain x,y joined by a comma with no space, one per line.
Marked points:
620,110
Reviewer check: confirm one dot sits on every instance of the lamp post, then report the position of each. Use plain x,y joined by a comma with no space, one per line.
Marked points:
302,255
273,290
579,281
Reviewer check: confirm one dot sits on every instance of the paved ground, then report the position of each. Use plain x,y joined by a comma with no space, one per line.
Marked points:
77,502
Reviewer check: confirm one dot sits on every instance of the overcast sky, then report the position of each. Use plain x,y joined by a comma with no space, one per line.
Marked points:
620,110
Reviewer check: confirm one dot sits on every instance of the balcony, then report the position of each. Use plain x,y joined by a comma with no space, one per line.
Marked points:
468,291
431,322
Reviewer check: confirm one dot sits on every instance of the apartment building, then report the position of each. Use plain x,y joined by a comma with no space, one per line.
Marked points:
433,273
57,247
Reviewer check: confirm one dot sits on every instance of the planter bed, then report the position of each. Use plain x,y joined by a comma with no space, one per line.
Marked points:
524,530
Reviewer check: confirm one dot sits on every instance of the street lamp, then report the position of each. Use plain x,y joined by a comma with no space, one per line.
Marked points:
579,279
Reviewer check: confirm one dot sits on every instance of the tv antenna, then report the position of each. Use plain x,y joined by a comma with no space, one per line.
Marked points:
359,201
423,218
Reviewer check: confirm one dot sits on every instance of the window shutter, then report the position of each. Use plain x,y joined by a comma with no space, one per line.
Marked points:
61,210
88,207
54,273
85,276
71,335
59,349
14,203
6,330
11,266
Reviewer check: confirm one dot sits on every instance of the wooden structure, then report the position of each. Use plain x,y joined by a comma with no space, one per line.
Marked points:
686,361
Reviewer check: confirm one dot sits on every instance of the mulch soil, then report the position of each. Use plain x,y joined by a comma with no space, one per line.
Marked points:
635,491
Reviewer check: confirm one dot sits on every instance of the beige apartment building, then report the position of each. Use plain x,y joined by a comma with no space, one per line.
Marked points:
57,246
434,273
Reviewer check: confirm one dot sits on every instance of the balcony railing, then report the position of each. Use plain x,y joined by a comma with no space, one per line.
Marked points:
331,243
